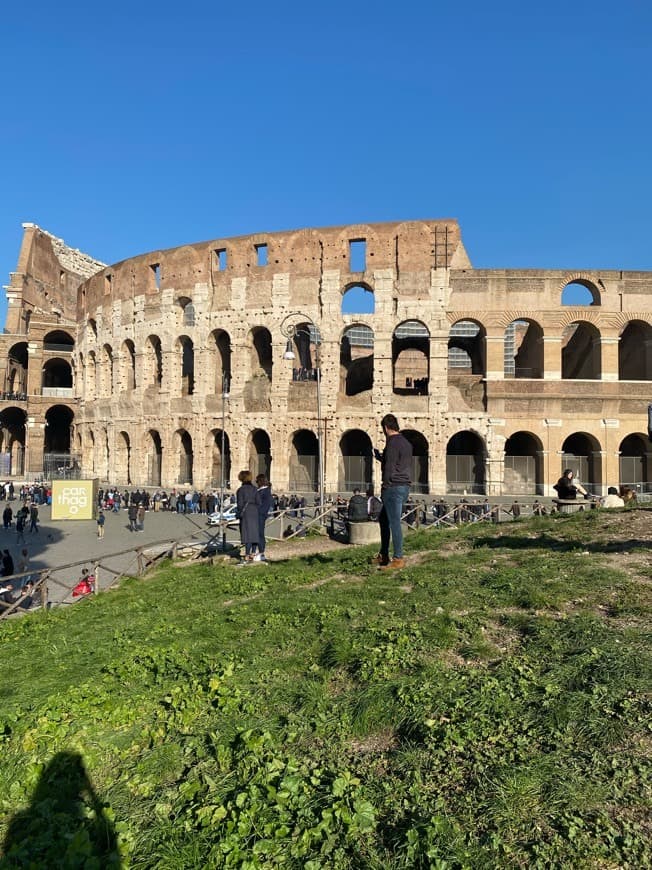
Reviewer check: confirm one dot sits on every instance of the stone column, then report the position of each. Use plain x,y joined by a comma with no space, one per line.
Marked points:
34,366
611,454
552,469
495,368
609,358
552,357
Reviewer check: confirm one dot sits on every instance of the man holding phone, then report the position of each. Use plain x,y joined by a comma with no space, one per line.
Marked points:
396,463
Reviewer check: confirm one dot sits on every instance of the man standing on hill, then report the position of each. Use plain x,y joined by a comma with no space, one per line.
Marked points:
396,461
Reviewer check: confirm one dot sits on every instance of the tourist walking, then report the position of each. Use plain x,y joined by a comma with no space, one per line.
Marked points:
33,518
396,463
101,519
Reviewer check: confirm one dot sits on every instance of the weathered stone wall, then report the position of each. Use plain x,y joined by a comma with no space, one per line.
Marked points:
144,402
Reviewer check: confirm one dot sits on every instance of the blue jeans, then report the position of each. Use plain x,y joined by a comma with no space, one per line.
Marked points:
394,499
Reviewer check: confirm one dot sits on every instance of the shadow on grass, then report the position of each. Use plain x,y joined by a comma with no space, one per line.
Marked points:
65,825
557,545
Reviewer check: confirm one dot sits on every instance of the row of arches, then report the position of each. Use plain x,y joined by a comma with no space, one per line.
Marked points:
410,353
466,460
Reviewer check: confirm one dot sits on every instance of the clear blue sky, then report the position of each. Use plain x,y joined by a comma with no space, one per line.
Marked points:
127,127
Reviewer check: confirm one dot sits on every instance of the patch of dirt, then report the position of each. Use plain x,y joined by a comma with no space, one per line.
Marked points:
381,742
295,547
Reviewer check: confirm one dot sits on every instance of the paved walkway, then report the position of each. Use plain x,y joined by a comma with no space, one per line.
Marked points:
64,542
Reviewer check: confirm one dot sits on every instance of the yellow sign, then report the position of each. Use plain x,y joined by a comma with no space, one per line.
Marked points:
73,499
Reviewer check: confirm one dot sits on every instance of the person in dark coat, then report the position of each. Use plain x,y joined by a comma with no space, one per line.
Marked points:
247,502
265,506
567,488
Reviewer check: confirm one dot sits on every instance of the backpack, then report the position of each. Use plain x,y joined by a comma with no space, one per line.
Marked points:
375,507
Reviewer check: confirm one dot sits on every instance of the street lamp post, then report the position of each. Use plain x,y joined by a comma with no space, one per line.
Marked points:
225,396
290,330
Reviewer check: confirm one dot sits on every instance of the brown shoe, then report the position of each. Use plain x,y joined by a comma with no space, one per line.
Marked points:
379,559
393,565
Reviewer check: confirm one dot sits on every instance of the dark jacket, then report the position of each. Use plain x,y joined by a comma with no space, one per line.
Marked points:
358,508
397,461
565,488
247,502
265,506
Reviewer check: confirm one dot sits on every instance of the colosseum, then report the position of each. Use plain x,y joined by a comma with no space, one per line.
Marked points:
277,350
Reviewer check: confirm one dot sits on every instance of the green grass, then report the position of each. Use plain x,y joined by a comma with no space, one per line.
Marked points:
486,707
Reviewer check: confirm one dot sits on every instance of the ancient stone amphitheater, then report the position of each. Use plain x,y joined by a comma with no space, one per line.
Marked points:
173,367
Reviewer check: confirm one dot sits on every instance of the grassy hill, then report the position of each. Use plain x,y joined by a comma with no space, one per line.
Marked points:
484,707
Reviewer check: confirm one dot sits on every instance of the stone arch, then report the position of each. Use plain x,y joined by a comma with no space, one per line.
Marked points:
56,374
59,340
466,463
304,461
183,449
260,453
92,326
579,290
356,461
523,349
635,352
523,464
358,298
581,453
57,442
152,364
420,460
91,376
220,355
357,359
305,344
12,440
220,452
122,459
580,351
128,379
467,352
106,371
635,468
411,358
187,311
261,352
17,369
154,453
186,352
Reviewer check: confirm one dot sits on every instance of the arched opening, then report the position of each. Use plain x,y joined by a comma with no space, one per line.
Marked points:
187,349
92,325
187,310
411,358
635,352
220,459
304,462
88,460
467,349
58,461
153,362
358,299
356,461
12,442
523,350
222,349
107,371
306,340
57,376
579,293
184,450
260,453
59,340
122,464
635,462
261,352
580,352
16,374
128,365
523,464
91,377
357,359
154,450
581,453
465,463
419,460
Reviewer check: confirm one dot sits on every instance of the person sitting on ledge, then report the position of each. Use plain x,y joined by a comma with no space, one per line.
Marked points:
567,489
612,499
